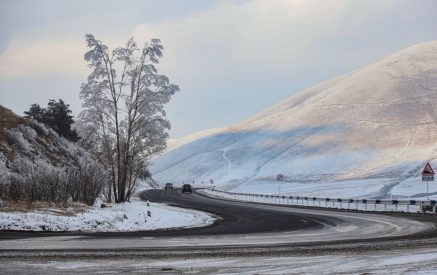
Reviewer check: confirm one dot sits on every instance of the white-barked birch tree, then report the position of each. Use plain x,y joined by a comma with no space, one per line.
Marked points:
123,114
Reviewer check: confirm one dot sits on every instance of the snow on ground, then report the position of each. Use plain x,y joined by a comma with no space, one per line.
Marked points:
117,217
336,189
417,261
412,188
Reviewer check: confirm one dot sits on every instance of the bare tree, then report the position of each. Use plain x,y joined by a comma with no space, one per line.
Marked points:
123,113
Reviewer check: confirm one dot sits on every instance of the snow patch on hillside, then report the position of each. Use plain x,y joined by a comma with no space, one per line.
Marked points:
178,142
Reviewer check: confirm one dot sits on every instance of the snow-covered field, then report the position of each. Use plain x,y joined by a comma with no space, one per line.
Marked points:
367,133
122,217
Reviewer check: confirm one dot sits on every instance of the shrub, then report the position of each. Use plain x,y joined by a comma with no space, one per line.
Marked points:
40,181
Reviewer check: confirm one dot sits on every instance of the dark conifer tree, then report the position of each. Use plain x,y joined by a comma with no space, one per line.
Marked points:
57,116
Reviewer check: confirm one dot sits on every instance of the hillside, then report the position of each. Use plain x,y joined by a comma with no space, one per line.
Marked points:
45,182
367,133
36,164
21,138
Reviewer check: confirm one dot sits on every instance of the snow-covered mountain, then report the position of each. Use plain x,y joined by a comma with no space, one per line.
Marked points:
367,133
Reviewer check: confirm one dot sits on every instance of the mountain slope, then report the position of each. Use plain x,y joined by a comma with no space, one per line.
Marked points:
366,133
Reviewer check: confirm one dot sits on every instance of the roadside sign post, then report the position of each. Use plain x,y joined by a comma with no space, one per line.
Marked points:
427,175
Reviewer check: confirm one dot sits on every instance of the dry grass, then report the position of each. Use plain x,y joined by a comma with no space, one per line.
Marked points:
70,209
8,119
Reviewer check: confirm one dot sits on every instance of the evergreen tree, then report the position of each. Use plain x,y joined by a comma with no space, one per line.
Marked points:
35,112
57,116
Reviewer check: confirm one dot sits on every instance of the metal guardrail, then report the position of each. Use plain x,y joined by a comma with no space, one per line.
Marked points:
351,204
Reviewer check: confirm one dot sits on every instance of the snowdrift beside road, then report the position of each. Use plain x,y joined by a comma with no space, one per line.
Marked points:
123,217
364,134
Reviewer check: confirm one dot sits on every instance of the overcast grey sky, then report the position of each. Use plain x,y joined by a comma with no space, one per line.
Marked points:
231,59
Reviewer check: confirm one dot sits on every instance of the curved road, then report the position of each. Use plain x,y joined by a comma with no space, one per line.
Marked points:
272,224
241,226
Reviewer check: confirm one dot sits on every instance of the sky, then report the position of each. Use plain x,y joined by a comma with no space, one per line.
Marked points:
231,59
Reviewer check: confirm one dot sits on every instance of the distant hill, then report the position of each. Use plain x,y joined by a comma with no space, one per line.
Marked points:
366,133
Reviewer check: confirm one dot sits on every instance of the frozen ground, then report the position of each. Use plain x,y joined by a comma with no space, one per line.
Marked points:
418,261
122,217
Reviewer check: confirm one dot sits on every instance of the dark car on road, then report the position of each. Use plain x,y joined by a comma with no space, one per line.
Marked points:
168,185
186,188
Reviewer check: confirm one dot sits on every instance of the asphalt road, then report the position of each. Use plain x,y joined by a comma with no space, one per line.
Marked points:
234,218
272,236
240,225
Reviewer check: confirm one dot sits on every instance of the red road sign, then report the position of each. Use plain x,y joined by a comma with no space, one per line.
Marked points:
428,171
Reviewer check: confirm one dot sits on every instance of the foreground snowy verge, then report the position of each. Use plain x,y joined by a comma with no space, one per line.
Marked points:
417,261
114,218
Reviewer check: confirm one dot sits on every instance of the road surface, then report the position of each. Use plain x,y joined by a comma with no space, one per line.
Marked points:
240,225
278,239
